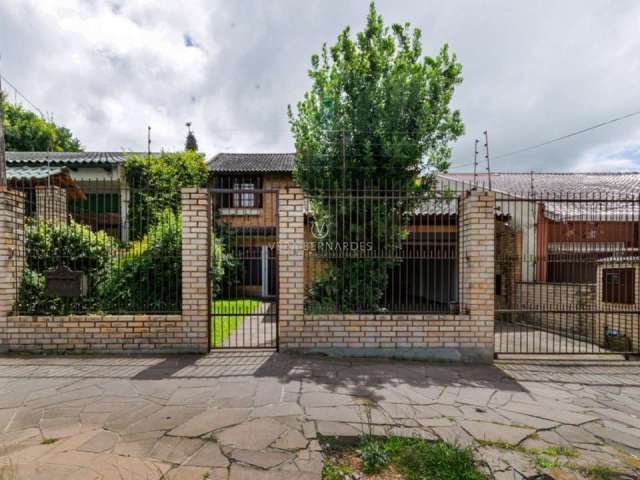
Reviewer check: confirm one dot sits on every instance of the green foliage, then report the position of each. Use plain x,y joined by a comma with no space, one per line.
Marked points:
50,244
336,472
155,184
374,456
25,131
147,277
418,459
228,316
377,116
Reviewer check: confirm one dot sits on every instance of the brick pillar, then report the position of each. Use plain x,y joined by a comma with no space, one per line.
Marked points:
11,254
196,232
290,264
51,203
477,257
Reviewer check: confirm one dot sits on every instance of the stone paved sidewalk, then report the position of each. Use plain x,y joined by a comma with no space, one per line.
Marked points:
255,415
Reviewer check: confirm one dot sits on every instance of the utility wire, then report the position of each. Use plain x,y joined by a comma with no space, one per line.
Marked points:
23,96
584,130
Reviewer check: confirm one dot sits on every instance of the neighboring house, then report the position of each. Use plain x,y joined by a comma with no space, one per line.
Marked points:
98,175
567,244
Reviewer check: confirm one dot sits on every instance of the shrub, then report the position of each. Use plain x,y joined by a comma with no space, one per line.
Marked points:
374,456
51,244
148,276
155,185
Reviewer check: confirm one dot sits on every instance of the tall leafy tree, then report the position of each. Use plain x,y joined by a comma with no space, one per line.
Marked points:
378,112
25,131
190,143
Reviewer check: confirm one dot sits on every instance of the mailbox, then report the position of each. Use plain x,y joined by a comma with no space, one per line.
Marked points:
64,282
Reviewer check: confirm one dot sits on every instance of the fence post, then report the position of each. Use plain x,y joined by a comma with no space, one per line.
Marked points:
477,268
196,233
290,264
11,255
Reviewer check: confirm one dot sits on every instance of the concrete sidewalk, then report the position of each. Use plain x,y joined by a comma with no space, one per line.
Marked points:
257,415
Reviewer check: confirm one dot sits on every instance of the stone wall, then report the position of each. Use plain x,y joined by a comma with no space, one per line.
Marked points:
51,203
467,337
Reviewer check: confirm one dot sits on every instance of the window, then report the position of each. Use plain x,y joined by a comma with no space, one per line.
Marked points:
246,200
228,198
618,285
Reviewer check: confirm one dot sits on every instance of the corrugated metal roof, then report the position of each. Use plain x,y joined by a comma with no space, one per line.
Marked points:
26,172
555,183
71,158
252,162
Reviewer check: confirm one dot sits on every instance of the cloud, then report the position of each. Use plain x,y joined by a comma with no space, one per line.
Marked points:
532,71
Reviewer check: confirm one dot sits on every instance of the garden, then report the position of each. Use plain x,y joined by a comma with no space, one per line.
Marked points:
142,275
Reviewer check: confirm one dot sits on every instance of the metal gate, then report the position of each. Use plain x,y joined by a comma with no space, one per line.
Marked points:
244,267
567,274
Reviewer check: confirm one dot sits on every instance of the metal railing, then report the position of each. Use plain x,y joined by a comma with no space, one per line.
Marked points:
377,248
117,239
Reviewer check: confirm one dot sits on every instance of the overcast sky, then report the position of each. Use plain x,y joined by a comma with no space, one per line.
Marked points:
532,71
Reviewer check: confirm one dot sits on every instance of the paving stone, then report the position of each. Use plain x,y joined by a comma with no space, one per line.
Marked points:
265,459
613,435
492,432
336,429
166,418
239,472
137,444
209,456
175,449
552,438
196,473
554,413
60,427
309,430
252,435
283,409
290,440
324,399
573,434
527,420
101,442
267,393
210,421
454,435
352,414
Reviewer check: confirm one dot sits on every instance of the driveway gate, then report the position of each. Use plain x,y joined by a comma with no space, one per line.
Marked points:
567,274
244,278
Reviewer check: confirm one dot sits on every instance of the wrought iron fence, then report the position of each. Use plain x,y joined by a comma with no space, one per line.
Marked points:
567,273
119,240
376,248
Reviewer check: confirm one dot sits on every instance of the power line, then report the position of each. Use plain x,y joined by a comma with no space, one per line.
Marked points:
584,130
18,92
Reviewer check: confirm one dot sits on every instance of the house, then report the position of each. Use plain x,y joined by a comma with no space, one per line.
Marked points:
245,206
244,203
104,202
567,252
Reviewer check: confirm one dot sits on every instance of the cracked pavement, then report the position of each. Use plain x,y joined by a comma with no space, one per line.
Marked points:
257,415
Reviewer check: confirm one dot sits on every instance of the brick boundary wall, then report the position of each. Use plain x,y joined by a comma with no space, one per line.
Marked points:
467,337
179,333
11,255
99,334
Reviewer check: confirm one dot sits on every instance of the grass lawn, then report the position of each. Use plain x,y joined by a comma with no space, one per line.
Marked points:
395,458
227,316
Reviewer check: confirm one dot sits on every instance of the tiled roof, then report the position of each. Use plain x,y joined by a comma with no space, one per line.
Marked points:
555,183
252,162
27,172
70,158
